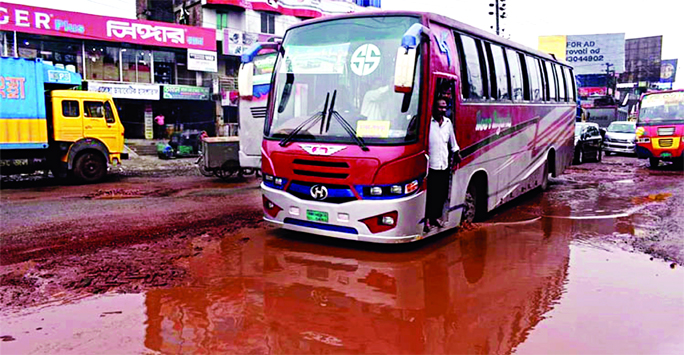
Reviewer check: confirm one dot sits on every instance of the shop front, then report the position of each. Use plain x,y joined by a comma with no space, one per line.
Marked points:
134,60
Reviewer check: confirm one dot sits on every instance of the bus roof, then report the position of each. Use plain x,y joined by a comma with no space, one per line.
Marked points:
428,16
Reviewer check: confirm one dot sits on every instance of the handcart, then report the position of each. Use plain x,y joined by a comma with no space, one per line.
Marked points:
220,158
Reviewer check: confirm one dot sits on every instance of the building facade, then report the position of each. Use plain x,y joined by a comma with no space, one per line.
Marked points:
175,58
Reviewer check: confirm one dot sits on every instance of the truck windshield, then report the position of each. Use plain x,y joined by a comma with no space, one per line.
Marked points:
665,108
352,61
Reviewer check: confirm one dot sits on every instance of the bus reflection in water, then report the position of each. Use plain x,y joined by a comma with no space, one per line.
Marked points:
481,293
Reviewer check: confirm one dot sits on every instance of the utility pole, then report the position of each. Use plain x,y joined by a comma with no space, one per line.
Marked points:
608,78
499,12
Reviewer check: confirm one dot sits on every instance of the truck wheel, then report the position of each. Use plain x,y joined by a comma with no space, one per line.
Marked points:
90,167
653,162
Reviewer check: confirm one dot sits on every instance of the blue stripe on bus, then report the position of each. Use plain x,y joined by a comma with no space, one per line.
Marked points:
328,227
332,193
23,145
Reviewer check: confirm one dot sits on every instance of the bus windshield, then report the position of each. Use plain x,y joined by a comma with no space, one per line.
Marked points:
346,67
663,108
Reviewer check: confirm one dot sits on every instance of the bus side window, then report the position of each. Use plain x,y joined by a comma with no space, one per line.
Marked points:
525,77
544,80
500,74
471,71
561,82
484,69
570,81
517,87
534,78
553,81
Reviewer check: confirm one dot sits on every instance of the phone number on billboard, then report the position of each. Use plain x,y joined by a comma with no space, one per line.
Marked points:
586,58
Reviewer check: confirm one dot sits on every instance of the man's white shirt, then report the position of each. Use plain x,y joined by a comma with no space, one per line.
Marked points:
441,138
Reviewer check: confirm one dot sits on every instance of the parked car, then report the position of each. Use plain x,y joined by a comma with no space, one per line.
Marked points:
588,142
620,138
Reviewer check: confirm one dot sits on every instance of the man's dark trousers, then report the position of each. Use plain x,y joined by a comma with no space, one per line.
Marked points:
437,190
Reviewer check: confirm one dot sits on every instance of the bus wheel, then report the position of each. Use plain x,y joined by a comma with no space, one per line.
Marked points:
545,177
90,167
472,211
653,162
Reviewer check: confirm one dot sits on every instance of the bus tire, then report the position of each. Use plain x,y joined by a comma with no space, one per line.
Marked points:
545,177
474,208
653,162
90,167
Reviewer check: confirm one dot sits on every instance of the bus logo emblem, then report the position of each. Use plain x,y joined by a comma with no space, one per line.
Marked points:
319,192
365,59
316,149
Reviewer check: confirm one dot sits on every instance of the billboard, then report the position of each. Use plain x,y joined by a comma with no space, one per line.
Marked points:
668,70
588,54
642,59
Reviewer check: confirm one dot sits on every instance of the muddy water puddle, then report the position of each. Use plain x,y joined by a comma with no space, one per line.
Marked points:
538,287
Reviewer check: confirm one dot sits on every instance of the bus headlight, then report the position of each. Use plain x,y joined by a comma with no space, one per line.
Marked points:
389,191
274,181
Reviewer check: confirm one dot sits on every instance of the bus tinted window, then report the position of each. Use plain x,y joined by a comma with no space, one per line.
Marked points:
473,89
561,82
570,84
498,72
535,79
552,81
516,75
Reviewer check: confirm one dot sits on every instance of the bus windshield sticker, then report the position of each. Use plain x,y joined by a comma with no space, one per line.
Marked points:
328,59
671,98
378,129
365,59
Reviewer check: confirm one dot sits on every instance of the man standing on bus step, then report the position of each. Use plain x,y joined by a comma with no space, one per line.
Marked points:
442,140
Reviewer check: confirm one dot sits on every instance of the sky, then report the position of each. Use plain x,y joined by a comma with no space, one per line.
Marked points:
529,19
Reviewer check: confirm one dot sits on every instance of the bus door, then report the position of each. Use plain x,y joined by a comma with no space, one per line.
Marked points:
445,87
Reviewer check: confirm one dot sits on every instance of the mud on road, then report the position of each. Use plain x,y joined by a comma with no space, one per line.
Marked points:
138,230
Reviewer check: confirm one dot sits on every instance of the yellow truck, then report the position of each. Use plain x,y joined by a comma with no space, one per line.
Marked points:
46,125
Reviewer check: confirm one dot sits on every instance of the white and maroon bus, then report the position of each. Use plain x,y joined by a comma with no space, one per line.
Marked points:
345,149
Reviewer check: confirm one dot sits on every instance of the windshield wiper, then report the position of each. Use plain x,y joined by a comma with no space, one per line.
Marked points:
310,122
345,124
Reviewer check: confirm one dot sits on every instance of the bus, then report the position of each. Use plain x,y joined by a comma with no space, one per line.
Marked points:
660,127
252,111
345,148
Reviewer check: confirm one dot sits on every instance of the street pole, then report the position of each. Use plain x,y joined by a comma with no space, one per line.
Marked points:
499,13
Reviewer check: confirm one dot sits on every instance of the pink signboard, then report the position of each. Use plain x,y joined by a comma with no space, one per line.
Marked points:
50,22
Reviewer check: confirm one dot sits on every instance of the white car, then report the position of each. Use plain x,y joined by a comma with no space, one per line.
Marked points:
620,138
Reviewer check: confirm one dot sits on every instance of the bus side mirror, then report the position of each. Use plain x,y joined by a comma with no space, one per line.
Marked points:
404,69
246,79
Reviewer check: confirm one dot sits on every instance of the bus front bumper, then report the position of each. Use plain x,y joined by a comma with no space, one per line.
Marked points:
345,219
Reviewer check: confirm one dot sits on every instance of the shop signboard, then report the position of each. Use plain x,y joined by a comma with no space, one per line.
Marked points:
149,122
183,92
41,21
134,91
236,42
199,60
299,8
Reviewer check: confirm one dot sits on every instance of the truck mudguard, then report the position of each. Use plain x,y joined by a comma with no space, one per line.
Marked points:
86,144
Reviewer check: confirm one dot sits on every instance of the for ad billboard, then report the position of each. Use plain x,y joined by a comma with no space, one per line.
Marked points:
588,54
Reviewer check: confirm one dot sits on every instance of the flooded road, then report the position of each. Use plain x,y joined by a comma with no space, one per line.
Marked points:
527,287
157,263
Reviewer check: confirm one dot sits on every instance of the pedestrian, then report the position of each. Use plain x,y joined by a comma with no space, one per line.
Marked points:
159,120
442,140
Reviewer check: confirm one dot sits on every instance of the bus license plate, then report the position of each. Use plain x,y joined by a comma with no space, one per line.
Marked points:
317,216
